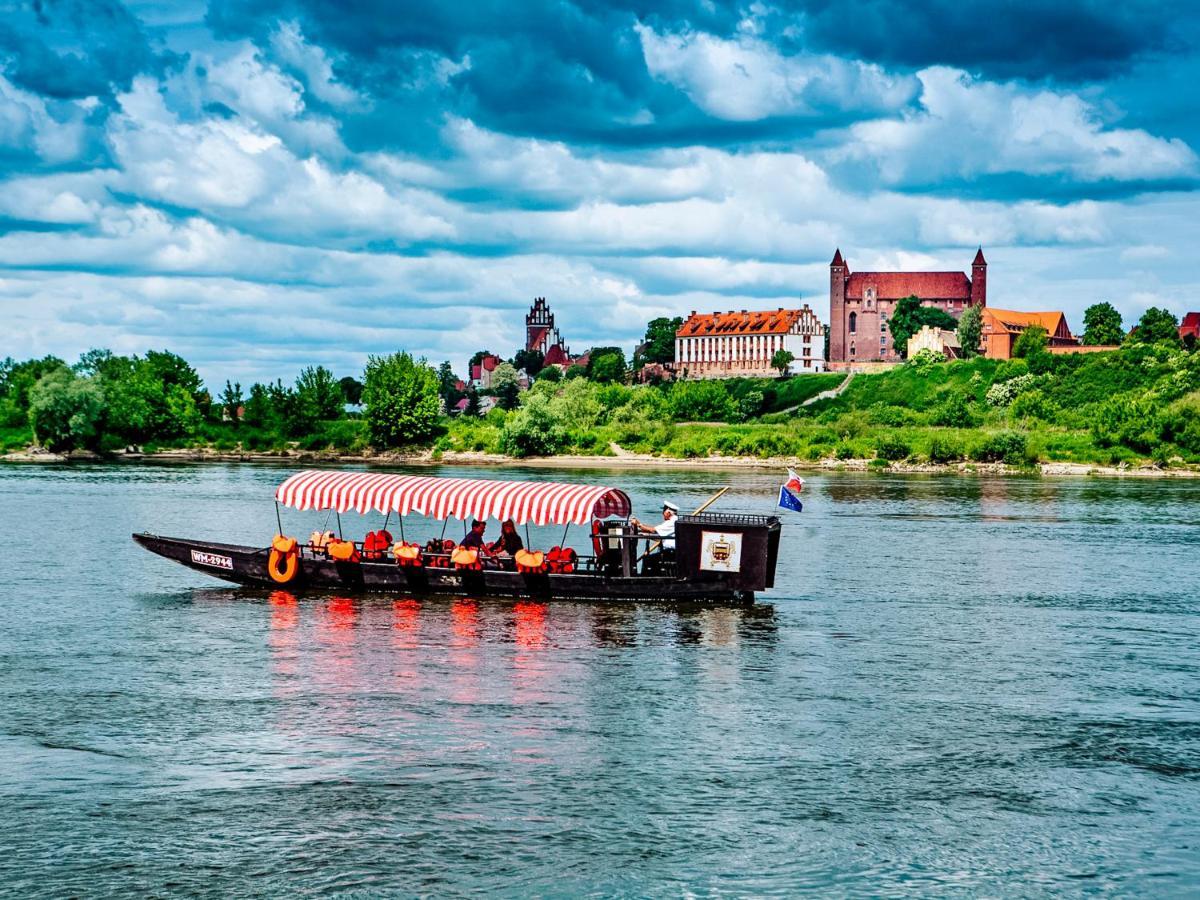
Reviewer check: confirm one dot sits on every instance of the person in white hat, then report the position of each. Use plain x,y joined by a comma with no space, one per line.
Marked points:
665,529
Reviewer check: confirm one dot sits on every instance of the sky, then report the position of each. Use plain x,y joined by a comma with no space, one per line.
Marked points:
260,186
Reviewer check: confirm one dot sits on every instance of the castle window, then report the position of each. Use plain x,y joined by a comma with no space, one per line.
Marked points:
853,323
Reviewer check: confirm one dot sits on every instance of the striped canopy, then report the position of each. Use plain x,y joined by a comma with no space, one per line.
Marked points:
539,502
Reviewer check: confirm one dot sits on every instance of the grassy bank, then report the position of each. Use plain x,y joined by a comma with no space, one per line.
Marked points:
1134,406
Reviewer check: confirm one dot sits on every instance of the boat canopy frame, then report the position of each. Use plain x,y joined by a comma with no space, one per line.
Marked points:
438,497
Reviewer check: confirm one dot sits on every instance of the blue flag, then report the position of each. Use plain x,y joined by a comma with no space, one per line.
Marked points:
788,500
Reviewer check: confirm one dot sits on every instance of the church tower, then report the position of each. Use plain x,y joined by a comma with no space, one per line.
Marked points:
539,325
979,280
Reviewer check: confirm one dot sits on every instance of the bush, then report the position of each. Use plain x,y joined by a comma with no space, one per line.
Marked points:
532,431
892,448
945,450
954,412
1002,393
1135,423
700,401
1003,446
1034,405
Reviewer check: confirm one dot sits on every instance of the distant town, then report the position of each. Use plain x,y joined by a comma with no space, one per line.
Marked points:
875,321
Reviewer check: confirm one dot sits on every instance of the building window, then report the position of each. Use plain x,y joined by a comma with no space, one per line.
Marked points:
851,349
853,323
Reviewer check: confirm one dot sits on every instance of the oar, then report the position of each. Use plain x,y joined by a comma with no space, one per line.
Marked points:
699,509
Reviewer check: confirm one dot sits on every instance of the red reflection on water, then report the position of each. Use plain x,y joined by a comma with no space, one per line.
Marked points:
406,615
341,613
284,611
464,622
530,624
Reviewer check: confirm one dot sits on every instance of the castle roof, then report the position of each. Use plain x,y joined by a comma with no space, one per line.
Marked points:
776,321
979,260
1014,321
897,285
837,258
1190,324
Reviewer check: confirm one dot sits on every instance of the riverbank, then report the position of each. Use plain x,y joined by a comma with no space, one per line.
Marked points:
621,460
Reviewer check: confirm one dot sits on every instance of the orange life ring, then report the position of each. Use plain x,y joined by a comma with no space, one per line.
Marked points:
597,543
285,551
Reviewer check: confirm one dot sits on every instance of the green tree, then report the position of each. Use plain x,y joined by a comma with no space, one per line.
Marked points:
506,385
401,399
231,399
607,365
319,396
575,371
970,331
909,315
1156,325
550,373
351,390
260,413
472,402
700,401
660,340
529,360
66,411
1102,325
1031,342
17,378
782,360
532,430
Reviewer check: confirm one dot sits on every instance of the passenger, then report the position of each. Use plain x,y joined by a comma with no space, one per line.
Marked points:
509,541
474,539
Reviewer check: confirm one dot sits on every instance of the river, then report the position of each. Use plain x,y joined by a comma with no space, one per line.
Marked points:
960,685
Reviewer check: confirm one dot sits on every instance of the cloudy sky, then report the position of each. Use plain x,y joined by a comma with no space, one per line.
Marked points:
260,185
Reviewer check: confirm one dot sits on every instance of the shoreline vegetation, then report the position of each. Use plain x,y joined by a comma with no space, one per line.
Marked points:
1134,410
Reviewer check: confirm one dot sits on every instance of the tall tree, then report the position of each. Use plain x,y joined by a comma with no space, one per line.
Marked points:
660,340
529,360
970,331
506,385
231,399
319,394
607,365
66,411
401,399
1155,325
1102,325
351,390
909,315
1031,342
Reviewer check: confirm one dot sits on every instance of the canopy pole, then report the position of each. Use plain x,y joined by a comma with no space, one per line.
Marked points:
563,542
400,519
445,522
528,542
339,518
278,521
385,519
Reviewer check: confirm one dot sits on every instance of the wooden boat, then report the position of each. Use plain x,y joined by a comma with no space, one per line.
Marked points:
719,557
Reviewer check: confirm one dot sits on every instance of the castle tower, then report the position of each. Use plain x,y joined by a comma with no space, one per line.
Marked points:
838,273
979,280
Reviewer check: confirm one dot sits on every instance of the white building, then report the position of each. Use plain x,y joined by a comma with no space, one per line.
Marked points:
742,344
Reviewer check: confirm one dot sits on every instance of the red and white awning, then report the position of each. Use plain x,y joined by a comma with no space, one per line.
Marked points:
539,502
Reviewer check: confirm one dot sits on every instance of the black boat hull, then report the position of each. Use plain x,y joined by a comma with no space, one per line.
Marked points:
248,566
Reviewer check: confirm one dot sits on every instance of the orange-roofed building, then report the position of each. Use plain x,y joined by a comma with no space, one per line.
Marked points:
1002,327
741,344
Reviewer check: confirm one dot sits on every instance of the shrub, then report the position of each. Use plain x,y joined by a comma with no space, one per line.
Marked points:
1034,405
1002,446
945,449
1132,422
892,448
700,401
1002,393
532,431
954,412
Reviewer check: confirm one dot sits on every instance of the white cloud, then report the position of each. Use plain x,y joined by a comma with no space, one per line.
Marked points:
29,125
747,79
964,128
289,45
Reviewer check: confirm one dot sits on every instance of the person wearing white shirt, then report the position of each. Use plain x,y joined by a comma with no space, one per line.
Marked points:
665,531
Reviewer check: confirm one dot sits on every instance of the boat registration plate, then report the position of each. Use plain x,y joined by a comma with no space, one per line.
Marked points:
212,559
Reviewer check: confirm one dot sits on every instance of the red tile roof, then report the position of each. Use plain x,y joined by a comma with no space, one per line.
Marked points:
1190,324
776,321
1014,322
535,337
897,285
979,260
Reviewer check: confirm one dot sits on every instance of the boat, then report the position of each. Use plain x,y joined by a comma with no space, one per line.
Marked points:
718,558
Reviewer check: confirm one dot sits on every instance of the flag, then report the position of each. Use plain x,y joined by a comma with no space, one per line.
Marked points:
789,492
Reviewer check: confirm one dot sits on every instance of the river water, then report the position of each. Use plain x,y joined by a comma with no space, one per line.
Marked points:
960,686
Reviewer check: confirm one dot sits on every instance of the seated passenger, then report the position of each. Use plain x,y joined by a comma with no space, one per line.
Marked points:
509,541
474,539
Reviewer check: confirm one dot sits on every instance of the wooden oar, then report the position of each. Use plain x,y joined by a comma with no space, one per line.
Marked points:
699,509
